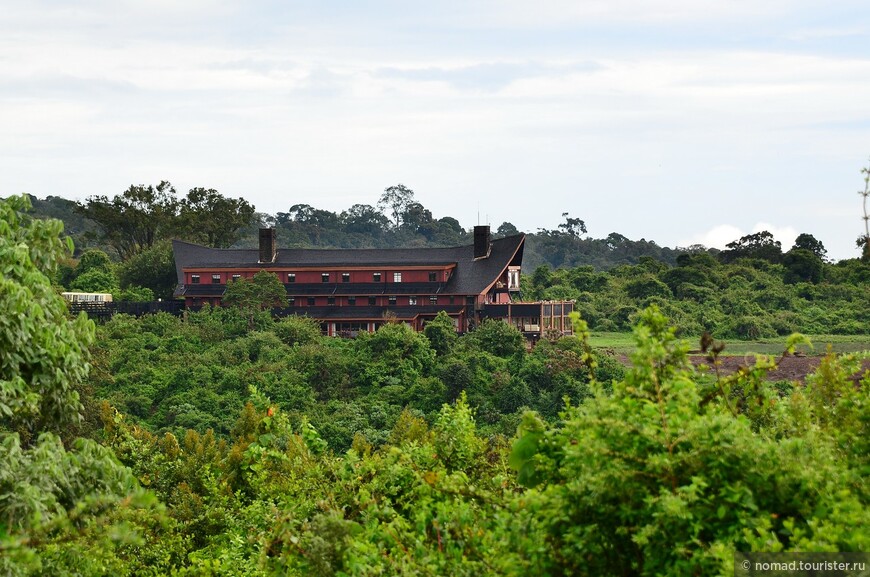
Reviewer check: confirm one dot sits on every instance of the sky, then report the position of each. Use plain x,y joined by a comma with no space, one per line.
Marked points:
679,121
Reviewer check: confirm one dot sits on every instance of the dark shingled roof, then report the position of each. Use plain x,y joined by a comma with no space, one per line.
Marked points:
469,277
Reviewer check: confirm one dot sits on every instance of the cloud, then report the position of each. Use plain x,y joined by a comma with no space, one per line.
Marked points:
719,236
486,76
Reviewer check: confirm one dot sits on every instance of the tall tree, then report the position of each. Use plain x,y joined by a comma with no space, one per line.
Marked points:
760,245
208,216
808,242
135,219
395,201
572,226
364,219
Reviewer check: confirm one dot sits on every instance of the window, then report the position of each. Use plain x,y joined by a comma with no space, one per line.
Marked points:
291,301
376,277
194,279
397,277
311,301
412,301
291,277
452,298
392,301
215,279
324,277
330,300
237,277
372,301
433,300
345,277
433,276
351,301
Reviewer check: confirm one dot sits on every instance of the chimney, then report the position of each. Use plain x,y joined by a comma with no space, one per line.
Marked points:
268,250
482,241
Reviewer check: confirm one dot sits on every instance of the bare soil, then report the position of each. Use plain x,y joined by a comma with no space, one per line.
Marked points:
791,368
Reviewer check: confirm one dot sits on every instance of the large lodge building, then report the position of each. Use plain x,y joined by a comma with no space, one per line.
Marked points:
353,290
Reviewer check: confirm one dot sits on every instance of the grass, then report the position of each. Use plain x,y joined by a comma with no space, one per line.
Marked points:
623,343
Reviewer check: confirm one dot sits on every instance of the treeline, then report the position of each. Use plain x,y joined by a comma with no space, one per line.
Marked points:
658,470
174,374
749,291
141,217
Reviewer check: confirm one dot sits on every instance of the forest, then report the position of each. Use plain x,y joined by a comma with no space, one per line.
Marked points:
229,442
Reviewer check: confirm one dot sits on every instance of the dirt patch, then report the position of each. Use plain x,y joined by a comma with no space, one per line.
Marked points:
787,369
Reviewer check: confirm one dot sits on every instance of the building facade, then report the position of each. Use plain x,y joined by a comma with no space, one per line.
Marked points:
354,290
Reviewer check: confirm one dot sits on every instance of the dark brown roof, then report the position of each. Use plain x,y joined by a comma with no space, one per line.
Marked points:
469,277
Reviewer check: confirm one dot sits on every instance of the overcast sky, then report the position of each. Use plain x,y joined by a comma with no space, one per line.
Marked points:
679,121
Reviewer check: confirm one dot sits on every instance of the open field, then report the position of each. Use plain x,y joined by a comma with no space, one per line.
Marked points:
742,353
623,344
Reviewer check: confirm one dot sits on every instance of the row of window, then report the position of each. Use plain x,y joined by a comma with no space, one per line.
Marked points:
372,301
215,278
324,277
345,277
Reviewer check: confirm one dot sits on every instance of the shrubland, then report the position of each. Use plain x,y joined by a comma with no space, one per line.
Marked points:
230,443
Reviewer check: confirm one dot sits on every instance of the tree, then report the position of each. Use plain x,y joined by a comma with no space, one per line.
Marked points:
135,219
96,281
802,265
364,219
395,201
572,226
808,242
506,229
93,259
263,291
417,219
152,268
441,333
42,353
759,245
206,215
667,476
57,503
497,338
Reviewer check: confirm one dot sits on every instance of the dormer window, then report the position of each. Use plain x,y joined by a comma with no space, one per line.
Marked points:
376,277
194,279
324,277
215,279
345,277
291,277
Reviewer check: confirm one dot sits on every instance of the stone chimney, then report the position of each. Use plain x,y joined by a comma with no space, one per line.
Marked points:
268,250
482,241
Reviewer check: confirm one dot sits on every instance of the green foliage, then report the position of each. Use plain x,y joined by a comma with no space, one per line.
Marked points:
657,480
207,216
297,330
43,355
441,333
96,281
62,511
135,219
137,294
93,259
497,338
263,291
152,268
